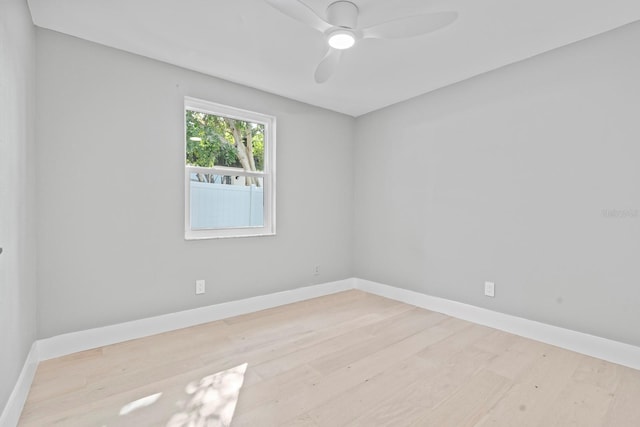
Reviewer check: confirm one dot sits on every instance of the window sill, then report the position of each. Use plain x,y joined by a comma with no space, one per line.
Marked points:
189,237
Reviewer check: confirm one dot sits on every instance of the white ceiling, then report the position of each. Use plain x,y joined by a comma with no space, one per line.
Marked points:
249,42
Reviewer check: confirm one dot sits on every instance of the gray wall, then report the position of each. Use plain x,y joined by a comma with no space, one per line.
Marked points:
17,196
110,122
504,178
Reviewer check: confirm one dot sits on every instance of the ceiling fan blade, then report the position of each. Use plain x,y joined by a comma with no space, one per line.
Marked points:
410,26
300,12
328,65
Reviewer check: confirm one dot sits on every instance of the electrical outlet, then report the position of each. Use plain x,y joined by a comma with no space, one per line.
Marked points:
490,289
200,287
316,270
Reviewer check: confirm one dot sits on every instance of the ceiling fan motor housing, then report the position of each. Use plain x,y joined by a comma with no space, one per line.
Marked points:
343,14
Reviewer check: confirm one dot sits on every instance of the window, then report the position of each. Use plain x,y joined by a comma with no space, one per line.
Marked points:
229,171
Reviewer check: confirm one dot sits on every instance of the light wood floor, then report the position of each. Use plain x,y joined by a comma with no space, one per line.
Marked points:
345,359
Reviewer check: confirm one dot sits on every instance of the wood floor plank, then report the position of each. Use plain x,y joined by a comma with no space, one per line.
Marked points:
467,404
513,360
349,375
344,337
349,358
579,405
428,389
534,393
381,335
345,408
625,407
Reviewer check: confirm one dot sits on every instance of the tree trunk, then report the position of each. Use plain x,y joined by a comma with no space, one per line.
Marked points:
244,155
252,161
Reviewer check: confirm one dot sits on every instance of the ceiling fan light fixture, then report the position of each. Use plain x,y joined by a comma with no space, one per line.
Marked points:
341,39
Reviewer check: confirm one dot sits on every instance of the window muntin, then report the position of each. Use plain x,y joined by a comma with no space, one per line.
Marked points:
229,171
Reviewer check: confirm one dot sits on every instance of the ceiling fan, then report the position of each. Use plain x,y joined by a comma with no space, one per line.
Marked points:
340,27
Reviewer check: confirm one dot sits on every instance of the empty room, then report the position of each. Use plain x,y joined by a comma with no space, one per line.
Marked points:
319,213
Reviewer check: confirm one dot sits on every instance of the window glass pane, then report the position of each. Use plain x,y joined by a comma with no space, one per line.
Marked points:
221,141
230,166
225,201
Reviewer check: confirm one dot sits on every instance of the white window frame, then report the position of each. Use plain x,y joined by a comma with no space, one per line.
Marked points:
268,174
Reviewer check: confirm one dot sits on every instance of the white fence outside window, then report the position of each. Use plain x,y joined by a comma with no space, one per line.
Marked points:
215,206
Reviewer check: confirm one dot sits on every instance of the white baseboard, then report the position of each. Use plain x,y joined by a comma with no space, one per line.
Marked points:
613,351
602,348
11,413
590,345
73,342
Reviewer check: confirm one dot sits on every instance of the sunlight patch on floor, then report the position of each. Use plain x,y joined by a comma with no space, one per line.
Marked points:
212,400
140,403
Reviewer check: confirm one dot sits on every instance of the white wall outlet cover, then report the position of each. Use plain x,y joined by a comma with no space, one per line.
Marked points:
200,287
489,289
